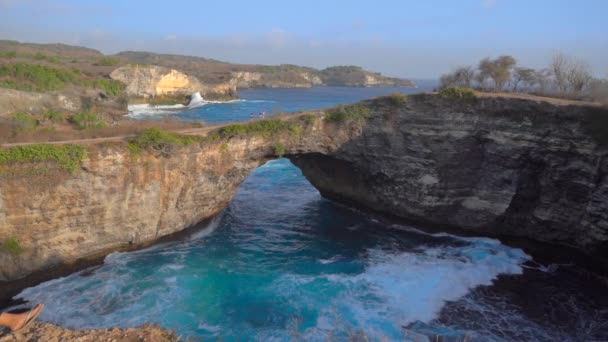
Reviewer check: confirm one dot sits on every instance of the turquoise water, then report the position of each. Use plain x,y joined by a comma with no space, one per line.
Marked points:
281,263
274,101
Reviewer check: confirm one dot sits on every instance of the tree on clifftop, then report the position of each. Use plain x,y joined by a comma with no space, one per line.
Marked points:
499,70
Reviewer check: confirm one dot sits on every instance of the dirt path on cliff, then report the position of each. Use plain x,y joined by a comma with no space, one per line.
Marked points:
186,131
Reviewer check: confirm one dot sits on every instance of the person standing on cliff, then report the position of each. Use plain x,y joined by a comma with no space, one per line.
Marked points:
20,320
251,116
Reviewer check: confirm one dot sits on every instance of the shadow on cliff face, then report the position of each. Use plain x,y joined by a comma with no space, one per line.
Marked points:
532,173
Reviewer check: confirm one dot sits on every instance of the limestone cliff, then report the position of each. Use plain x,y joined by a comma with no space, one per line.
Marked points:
152,81
494,166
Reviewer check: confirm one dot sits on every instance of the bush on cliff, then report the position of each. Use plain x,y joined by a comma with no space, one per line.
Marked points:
25,122
397,99
87,120
108,61
458,93
266,128
67,157
160,141
41,78
12,246
354,113
32,77
279,149
109,87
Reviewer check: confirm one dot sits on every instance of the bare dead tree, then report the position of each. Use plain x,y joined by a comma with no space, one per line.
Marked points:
559,67
578,76
542,77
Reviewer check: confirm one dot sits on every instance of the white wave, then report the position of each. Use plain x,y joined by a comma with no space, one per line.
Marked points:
402,288
329,261
143,110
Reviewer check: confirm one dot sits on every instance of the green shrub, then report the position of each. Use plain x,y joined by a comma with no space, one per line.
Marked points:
87,120
308,118
42,57
159,140
31,77
53,115
354,112
25,121
108,61
397,99
67,156
110,87
458,93
266,128
12,246
279,149
8,54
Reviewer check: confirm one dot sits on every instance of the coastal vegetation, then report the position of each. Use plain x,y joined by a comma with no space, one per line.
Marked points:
108,61
279,149
344,113
67,157
12,246
397,99
458,93
266,128
41,78
87,120
160,141
25,121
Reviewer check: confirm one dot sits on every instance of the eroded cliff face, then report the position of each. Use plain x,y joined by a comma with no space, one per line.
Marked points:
494,167
116,200
152,81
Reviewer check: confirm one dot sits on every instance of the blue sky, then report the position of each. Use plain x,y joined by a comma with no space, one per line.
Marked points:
418,39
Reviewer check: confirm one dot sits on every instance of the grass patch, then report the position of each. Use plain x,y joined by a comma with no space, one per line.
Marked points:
87,120
53,115
8,54
67,157
110,87
397,99
279,149
266,128
308,118
13,246
108,61
354,113
42,57
38,78
161,141
458,93
25,121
